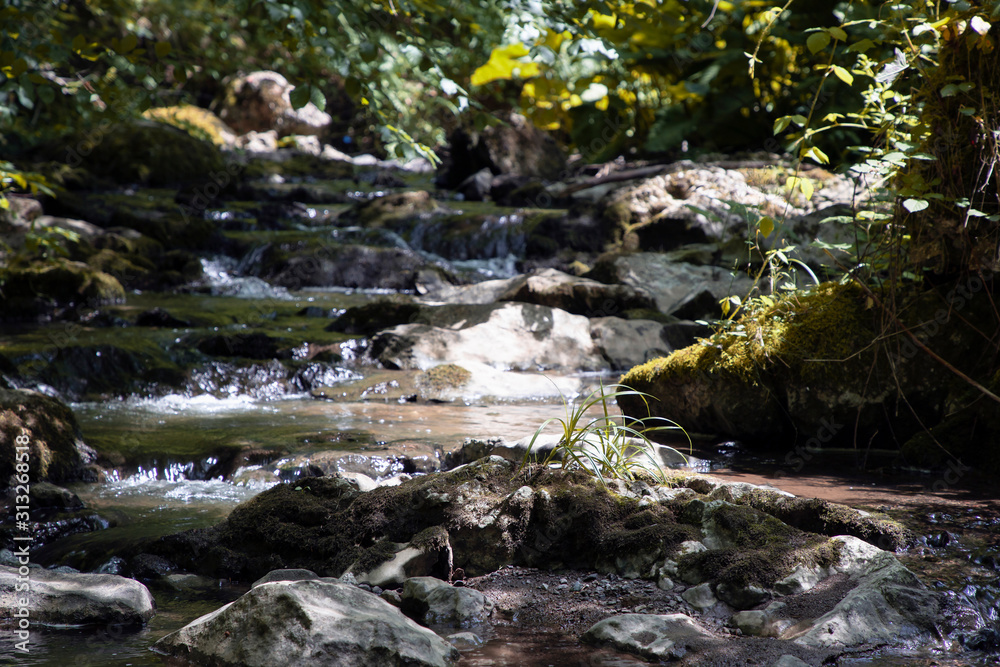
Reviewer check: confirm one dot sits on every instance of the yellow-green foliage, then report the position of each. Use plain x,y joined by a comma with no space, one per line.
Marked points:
805,335
199,123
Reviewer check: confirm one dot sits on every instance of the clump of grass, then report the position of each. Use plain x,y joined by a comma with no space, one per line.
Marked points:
606,446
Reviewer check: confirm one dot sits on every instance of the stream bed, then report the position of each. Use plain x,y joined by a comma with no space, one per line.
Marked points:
957,521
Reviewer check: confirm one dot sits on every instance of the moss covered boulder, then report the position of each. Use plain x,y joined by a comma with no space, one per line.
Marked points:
828,367
143,151
40,288
55,450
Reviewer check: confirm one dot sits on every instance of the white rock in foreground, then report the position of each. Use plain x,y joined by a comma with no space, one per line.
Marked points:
655,636
308,623
73,598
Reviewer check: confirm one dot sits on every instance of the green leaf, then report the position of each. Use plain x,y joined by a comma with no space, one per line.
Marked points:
128,44
815,154
352,86
914,205
862,46
843,74
818,41
781,124
46,94
837,33
766,225
162,49
317,97
299,96
949,91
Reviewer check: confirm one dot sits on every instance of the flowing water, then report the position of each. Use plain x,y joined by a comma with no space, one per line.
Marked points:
183,455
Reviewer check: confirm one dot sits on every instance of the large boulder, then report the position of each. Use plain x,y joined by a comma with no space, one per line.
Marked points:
48,431
886,605
72,598
580,296
261,101
811,367
335,265
310,623
628,343
672,285
145,152
509,336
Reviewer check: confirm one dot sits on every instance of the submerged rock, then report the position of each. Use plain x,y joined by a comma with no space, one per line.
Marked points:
312,623
63,598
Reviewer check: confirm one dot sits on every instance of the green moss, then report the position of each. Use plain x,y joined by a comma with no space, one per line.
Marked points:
199,123
827,518
27,290
145,152
49,429
760,551
444,376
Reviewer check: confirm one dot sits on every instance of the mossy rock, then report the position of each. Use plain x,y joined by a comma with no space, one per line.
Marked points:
56,451
199,123
144,152
489,516
38,288
823,368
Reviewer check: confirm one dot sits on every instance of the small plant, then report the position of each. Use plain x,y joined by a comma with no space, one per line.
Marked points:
605,445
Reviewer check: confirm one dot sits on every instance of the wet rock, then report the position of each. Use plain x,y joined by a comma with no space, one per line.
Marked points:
158,317
307,623
366,267
47,427
77,599
372,317
670,284
741,597
580,296
514,146
260,101
320,523
389,211
656,637
507,336
434,602
48,497
93,372
249,346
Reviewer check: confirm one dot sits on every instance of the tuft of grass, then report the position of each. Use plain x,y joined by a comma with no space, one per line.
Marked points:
606,446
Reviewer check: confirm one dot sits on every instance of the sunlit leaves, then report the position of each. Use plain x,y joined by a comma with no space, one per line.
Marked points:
504,64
